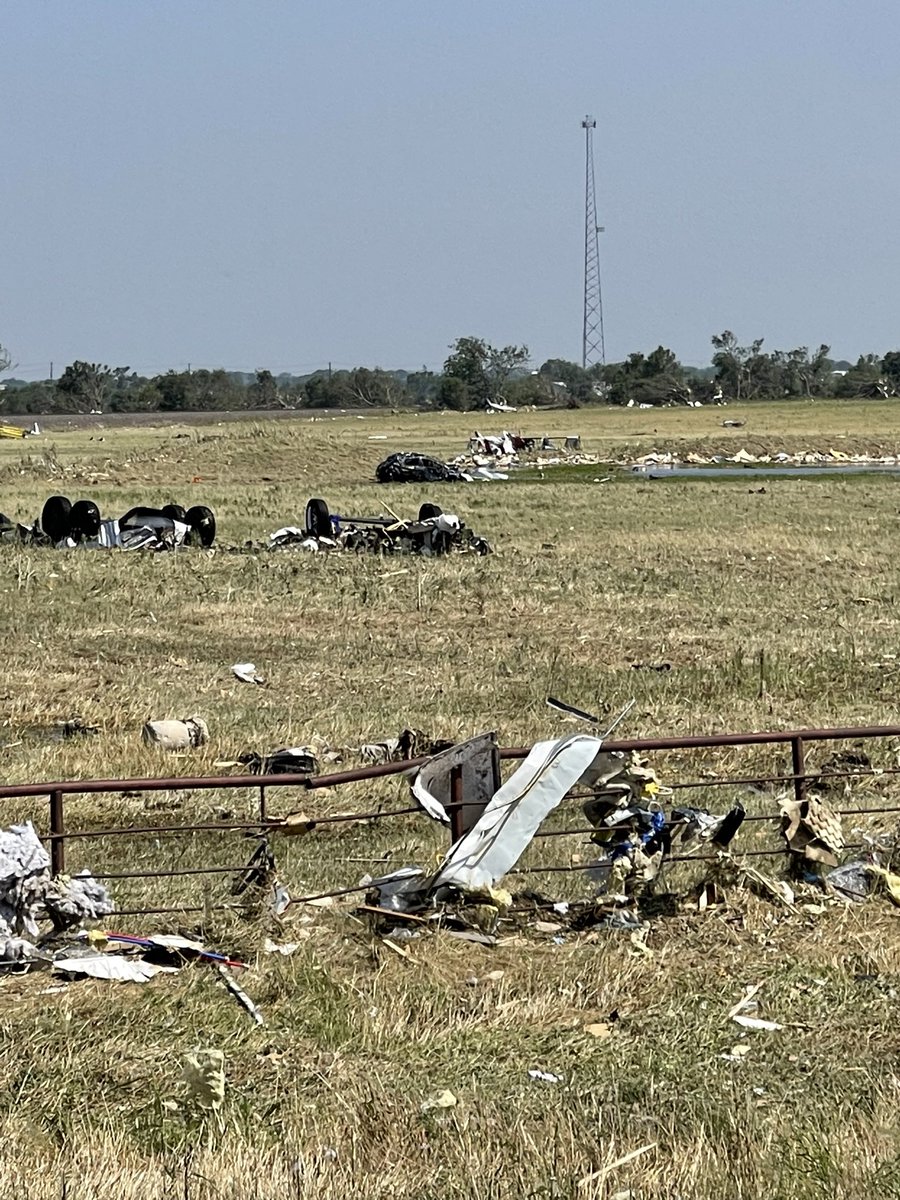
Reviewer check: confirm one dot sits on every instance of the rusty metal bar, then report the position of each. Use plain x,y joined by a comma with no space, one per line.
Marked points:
176,908
168,874
798,765
377,771
749,780
272,826
153,784
57,832
779,850
763,738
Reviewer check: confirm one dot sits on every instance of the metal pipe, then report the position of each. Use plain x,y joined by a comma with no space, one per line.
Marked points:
669,859
167,874
57,832
379,770
272,826
182,783
707,741
798,765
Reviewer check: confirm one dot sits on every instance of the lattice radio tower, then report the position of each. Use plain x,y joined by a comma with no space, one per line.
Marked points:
593,345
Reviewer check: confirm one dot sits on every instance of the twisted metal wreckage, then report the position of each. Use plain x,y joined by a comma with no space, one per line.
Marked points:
432,533
492,824
630,828
66,526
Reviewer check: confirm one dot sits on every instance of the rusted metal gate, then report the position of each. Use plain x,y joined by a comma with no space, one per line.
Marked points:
58,834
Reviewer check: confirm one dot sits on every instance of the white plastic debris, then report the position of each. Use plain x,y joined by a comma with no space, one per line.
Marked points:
283,948
240,995
379,752
442,1099
112,966
509,822
247,673
15,950
756,1023
176,735
545,1077
174,941
286,533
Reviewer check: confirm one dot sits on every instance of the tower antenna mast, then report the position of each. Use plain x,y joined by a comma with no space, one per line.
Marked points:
593,343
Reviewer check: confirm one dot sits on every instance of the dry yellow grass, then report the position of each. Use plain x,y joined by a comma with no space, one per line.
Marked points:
587,579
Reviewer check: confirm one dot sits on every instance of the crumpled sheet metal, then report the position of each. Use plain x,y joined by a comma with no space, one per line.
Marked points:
429,538
24,868
27,890
516,811
620,780
76,898
812,829
476,758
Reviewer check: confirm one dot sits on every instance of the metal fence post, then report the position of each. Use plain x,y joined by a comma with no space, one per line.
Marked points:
798,768
57,830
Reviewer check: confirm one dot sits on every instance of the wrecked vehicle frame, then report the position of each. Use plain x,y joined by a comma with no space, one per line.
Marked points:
431,534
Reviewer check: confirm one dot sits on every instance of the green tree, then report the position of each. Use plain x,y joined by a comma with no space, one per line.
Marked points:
800,374
656,378
483,369
578,382
375,388
422,387
263,392
890,369
739,368
452,394
86,386
199,391
864,379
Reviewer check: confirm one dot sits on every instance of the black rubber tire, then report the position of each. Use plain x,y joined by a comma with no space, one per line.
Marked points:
55,520
318,519
84,520
428,511
202,521
175,511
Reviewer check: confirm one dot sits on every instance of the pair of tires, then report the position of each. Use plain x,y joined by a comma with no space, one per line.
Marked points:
61,519
318,522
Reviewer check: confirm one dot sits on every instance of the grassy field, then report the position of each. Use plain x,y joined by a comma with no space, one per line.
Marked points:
775,608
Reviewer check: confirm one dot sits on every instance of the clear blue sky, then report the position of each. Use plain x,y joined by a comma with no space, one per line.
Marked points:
282,183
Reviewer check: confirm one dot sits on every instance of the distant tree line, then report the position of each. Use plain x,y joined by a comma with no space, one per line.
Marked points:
474,376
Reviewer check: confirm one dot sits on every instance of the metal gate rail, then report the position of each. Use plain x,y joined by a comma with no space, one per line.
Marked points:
57,834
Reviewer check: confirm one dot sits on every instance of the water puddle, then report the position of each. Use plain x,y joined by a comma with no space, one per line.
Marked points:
763,471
